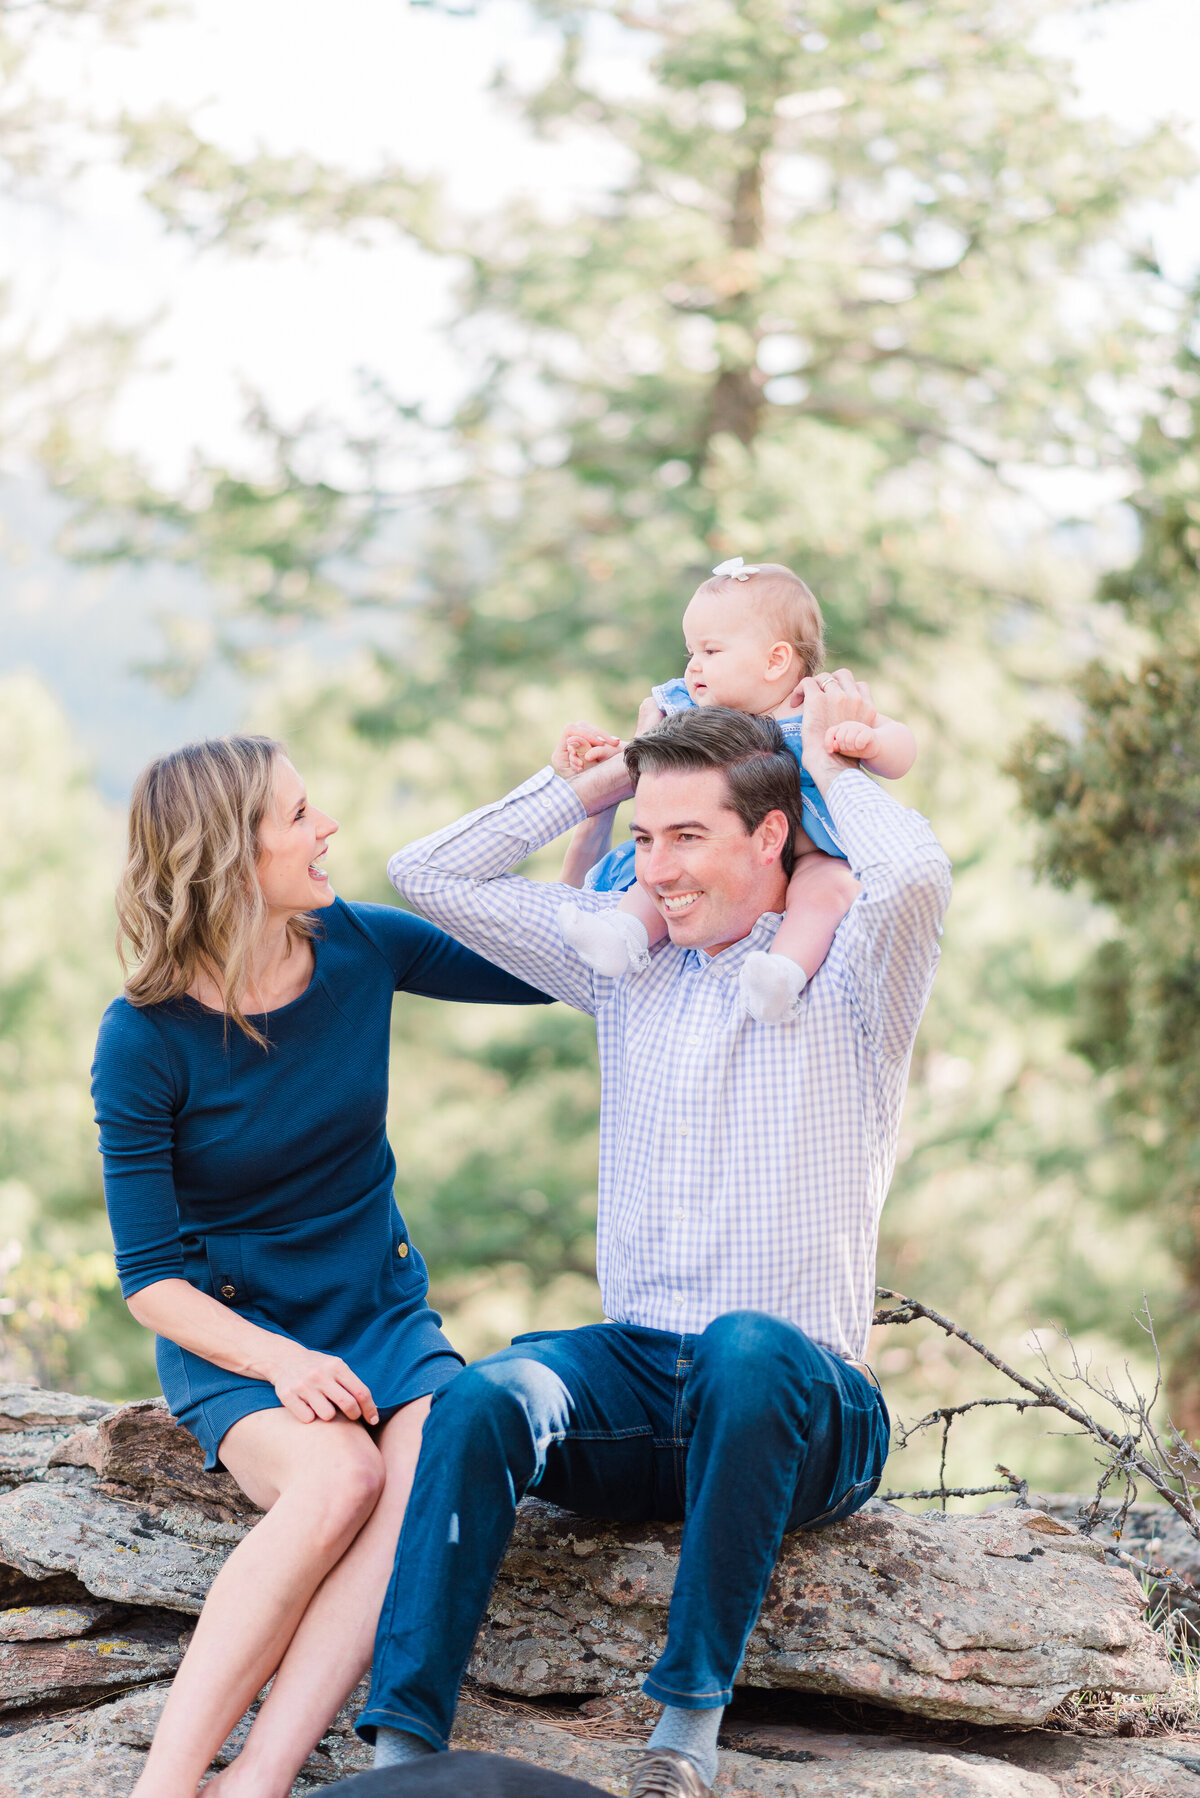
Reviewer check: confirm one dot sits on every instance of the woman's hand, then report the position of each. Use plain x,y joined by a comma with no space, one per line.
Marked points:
311,1385
580,746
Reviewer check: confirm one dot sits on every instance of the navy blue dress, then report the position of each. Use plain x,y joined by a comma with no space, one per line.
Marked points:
265,1178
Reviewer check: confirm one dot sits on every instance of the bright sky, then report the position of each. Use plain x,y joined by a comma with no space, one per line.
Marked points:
357,81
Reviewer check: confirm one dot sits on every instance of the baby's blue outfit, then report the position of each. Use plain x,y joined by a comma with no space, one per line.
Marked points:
614,872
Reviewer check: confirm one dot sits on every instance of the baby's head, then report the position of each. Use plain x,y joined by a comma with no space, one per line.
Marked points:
751,641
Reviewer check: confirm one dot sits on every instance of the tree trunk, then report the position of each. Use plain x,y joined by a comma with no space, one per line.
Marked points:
737,401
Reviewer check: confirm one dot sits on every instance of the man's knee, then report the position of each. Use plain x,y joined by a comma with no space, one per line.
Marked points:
513,1400
755,1362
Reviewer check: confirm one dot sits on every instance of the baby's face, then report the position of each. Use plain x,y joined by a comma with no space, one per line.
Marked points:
729,645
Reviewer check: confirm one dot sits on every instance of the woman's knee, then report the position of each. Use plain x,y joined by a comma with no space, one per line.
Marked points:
339,1483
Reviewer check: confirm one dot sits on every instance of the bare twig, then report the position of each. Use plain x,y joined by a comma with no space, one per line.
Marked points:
1012,1484
944,1492
1166,1461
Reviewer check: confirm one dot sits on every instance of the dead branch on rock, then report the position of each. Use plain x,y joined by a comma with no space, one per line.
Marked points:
1139,1450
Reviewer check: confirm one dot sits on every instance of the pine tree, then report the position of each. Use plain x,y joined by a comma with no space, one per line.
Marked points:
819,306
1119,801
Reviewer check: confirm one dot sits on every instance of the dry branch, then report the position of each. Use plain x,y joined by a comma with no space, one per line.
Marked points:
1163,1459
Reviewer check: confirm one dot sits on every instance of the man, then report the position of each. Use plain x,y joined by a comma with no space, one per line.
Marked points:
742,1171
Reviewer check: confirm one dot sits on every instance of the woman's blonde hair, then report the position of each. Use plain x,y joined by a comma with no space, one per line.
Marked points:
188,901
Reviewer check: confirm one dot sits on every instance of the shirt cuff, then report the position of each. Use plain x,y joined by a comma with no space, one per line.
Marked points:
543,807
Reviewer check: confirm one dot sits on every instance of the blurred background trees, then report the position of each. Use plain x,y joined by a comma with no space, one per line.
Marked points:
853,287
1120,800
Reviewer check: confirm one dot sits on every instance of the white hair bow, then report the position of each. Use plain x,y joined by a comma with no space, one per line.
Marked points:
736,569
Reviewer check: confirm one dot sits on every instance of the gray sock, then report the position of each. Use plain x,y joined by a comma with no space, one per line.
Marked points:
394,1747
693,1733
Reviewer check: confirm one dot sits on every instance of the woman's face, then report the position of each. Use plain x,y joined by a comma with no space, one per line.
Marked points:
292,840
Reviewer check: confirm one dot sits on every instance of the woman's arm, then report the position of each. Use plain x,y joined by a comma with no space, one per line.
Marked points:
425,960
310,1385
134,1087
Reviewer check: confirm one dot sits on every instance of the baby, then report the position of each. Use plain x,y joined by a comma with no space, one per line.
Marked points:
752,635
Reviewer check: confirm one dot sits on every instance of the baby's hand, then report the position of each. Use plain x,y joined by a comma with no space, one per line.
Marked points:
580,746
851,738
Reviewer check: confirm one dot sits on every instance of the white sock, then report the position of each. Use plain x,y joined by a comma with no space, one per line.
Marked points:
395,1747
771,985
612,942
693,1733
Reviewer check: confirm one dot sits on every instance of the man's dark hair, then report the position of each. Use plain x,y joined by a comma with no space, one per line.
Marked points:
761,773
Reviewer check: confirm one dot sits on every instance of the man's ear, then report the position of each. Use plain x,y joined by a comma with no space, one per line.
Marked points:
773,833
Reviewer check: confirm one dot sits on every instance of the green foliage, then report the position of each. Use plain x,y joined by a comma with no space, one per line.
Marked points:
60,1318
818,301
1119,801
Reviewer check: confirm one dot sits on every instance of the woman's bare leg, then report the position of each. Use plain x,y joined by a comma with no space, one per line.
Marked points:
331,1649
319,1483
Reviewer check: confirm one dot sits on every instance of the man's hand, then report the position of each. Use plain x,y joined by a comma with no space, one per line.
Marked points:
601,781
832,704
649,714
580,746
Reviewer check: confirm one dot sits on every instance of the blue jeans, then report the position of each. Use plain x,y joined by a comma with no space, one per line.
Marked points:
745,1431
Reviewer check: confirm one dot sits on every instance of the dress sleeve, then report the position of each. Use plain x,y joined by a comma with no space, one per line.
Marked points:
133,1089
425,960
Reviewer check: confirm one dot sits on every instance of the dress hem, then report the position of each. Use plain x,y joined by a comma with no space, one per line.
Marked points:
220,1415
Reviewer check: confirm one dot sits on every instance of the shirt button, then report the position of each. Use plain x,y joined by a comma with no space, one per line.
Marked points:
402,1249
683,1129
229,1292
678,1301
679,1213
693,1040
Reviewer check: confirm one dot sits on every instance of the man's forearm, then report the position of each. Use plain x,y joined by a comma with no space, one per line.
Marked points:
461,878
825,769
602,786
888,846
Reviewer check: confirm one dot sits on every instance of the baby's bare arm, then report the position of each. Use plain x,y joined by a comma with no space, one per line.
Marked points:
820,893
886,747
640,905
589,841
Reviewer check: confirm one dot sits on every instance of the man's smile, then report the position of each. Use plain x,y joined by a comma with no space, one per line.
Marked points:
677,902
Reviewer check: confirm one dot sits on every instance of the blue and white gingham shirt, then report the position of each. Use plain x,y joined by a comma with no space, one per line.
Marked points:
743,1166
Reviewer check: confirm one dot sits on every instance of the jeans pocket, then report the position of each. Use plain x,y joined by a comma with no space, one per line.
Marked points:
853,1499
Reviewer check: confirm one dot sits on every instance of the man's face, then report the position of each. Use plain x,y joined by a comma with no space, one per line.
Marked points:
710,878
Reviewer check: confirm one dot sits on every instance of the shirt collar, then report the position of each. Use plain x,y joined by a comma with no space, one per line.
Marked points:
730,960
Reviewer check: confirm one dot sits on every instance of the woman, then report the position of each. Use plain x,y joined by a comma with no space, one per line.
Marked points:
241,1092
